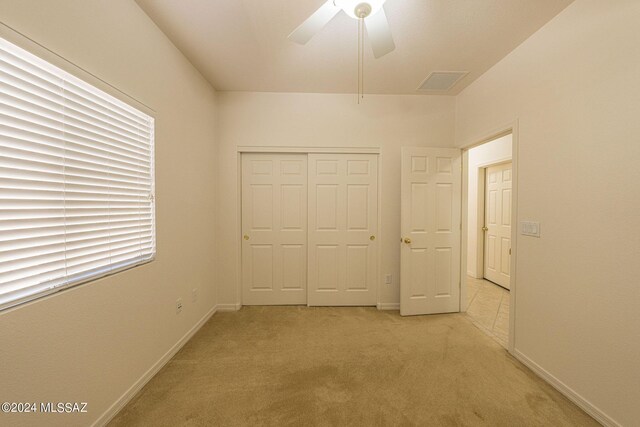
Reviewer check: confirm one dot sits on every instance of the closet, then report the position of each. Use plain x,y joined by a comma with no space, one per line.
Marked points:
309,229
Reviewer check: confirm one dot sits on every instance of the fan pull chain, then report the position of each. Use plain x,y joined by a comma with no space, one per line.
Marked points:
360,58
359,64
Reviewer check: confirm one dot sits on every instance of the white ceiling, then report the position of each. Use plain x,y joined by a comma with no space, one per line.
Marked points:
242,45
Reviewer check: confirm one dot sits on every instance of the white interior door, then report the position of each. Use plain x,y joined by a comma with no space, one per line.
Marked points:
497,217
343,225
274,228
430,222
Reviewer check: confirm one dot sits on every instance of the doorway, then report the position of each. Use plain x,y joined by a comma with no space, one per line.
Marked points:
488,236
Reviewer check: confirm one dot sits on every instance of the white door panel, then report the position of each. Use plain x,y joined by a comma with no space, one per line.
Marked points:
430,225
343,218
274,228
498,224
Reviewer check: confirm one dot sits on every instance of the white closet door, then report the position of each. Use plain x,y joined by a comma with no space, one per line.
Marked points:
497,242
430,212
343,222
274,228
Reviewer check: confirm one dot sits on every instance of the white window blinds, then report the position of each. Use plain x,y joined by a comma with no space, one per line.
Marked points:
76,180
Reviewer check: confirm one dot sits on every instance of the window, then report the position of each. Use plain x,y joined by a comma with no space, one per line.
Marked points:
76,180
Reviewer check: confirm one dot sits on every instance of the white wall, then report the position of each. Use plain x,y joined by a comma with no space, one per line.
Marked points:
91,343
574,89
480,157
324,120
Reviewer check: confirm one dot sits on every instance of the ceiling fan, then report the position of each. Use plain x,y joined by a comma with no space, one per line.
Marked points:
369,12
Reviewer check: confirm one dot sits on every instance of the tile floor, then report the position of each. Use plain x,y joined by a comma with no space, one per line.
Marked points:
488,308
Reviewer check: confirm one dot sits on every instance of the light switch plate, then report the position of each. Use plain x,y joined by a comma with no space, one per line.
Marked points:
530,228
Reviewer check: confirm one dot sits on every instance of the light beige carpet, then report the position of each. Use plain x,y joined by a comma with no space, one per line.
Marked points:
345,366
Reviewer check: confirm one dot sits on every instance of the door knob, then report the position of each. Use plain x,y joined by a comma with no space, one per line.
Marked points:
407,240
245,237
485,229
372,238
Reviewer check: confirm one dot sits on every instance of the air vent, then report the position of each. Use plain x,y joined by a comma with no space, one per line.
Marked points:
441,81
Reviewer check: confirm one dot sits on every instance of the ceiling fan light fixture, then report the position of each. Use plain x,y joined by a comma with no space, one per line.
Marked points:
353,8
369,14
362,10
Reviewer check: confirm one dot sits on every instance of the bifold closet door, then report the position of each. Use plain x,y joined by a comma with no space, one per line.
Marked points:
343,222
274,229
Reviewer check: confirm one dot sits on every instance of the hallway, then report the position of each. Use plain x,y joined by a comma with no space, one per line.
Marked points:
488,308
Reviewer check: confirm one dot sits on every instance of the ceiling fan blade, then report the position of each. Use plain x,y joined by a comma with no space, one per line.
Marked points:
379,33
314,23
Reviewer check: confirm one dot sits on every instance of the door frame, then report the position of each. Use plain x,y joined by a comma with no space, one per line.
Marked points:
482,204
509,128
302,150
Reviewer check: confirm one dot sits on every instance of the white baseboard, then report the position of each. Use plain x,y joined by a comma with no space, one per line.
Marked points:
111,412
144,379
388,306
583,403
229,307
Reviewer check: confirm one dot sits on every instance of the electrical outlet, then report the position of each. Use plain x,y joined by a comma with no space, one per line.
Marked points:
388,279
194,295
179,306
